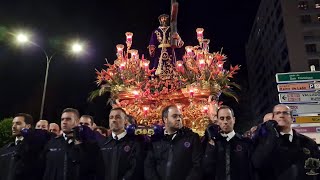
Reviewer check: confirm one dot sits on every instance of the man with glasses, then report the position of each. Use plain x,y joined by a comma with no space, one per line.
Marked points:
177,154
282,152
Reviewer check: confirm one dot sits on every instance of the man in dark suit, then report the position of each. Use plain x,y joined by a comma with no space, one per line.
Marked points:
280,152
122,153
227,155
20,159
72,156
176,155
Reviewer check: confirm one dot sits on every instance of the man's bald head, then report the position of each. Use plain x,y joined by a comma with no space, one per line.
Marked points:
267,117
42,124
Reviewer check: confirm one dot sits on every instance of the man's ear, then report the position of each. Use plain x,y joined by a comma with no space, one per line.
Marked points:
165,120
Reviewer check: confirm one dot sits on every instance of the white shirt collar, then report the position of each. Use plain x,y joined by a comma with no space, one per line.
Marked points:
120,136
18,139
174,134
229,136
291,135
64,136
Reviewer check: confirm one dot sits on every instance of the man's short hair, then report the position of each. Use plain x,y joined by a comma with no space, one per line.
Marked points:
225,107
28,119
120,109
90,117
75,111
165,111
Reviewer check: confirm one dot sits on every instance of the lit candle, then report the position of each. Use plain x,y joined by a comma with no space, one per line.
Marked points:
189,50
129,38
201,63
134,54
179,65
199,34
205,44
209,59
120,50
136,94
146,65
191,92
145,110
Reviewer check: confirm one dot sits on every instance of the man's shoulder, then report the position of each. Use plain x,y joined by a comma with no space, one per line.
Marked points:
239,137
303,138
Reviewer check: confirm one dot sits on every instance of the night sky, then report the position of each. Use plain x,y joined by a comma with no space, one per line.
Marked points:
102,25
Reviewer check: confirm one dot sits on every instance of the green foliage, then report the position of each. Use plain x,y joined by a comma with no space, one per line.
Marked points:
5,131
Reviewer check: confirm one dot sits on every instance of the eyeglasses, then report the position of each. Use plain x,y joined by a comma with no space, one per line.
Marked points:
282,112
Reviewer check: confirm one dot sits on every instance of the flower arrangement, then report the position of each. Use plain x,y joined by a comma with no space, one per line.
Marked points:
134,87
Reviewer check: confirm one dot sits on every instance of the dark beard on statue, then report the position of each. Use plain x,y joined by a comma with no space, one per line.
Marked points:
164,23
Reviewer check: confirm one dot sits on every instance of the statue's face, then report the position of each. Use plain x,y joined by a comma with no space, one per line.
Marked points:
164,21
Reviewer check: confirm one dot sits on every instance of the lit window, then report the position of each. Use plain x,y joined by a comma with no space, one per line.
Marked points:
314,62
303,5
317,4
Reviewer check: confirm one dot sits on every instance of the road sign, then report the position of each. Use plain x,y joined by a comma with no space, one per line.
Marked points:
307,119
298,87
299,97
313,129
298,77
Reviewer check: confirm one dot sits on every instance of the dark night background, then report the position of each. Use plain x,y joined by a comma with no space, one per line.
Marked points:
102,25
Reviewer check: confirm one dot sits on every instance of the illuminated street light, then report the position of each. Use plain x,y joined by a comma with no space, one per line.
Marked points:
76,48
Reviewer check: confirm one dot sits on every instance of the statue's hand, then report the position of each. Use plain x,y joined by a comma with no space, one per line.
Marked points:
151,51
175,36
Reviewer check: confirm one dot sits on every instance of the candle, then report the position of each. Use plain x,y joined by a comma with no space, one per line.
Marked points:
122,66
179,65
145,110
199,34
201,63
120,50
136,94
129,38
191,92
205,45
134,54
146,65
189,50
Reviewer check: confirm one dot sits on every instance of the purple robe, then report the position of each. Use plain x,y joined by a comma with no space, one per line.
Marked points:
165,57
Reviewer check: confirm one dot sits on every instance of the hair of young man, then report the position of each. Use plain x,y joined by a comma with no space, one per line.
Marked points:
72,110
28,119
120,109
90,117
225,107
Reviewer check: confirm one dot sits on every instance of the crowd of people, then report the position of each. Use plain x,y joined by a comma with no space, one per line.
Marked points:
82,151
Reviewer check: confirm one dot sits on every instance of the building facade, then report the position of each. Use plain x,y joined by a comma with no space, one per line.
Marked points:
285,37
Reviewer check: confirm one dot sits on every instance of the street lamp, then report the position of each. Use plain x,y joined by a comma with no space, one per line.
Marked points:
76,48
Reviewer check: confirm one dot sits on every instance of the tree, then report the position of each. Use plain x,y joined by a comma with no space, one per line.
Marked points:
5,131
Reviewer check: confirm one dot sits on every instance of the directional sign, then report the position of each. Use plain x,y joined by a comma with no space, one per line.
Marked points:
298,87
307,129
307,119
304,108
298,77
299,97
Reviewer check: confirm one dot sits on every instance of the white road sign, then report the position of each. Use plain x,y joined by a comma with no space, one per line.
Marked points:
299,97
